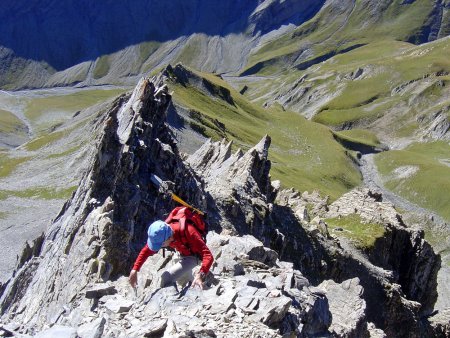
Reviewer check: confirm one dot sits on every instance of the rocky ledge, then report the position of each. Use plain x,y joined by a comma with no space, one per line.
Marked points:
276,271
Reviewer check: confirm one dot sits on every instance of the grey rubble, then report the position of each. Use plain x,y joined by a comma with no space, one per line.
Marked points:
275,273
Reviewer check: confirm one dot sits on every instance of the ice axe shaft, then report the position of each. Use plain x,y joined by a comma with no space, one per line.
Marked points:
159,183
179,200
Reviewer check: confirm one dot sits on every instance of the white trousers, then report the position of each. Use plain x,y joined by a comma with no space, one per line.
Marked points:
180,272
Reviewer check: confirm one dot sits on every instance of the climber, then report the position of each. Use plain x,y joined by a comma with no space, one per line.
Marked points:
179,233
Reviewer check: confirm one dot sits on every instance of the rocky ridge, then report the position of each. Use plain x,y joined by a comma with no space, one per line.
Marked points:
256,229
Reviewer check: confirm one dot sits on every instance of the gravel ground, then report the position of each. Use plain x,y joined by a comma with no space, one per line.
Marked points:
27,219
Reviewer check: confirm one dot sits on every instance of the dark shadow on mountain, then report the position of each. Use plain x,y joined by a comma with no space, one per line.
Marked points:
306,64
65,33
303,64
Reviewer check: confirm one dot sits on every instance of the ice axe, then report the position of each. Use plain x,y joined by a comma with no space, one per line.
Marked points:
159,183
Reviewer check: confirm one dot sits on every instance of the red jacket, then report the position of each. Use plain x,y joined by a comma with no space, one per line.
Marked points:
188,244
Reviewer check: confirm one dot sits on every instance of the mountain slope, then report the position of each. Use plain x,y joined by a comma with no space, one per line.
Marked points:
395,91
82,258
305,155
43,32
118,40
341,26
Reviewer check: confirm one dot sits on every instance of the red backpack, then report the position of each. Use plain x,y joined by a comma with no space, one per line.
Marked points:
185,215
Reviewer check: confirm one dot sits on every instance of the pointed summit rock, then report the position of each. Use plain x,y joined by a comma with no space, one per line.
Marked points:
209,159
104,224
239,184
215,162
75,275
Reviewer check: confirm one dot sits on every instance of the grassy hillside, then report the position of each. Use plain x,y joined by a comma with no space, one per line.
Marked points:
420,173
339,27
394,89
362,234
304,154
9,123
61,123
414,73
12,129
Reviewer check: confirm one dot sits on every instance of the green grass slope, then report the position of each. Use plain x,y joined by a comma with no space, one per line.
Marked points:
395,89
61,121
420,173
11,127
340,27
9,123
363,235
409,80
49,110
304,154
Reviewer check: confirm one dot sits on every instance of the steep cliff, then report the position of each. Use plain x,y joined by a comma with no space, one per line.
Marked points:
71,281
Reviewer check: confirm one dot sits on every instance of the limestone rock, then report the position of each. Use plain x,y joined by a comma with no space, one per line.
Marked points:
374,332
347,307
100,290
118,305
416,267
440,323
267,254
58,331
93,329
368,205
400,256
239,183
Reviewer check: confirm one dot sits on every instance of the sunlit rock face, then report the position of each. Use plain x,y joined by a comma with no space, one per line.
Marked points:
275,273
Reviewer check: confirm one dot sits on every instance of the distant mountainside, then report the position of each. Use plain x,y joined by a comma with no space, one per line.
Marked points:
61,34
353,97
53,43
341,26
45,30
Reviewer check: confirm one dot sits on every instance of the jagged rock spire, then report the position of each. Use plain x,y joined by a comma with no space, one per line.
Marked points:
95,235
209,159
238,183
216,164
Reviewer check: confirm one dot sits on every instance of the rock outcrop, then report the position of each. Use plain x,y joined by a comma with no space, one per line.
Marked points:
272,269
92,237
398,275
401,250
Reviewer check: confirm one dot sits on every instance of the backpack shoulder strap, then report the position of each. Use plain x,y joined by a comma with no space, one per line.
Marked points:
179,214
